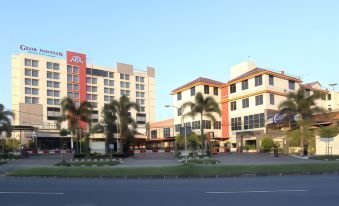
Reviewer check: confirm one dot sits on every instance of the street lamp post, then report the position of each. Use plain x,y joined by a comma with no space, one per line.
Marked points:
185,135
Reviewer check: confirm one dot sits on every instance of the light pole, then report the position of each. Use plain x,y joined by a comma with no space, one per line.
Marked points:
185,135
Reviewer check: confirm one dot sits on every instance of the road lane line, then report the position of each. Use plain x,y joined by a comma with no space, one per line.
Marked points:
257,191
34,193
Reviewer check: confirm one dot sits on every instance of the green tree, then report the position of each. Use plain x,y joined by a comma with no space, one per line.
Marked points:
267,144
328,132
5,121
63,132
75,115
109,123
202,107
122,109
303,106
294,137
193,142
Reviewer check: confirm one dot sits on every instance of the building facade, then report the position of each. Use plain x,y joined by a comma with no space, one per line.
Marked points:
186,93
39,83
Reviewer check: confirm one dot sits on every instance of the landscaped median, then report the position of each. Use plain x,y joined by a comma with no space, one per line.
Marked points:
179,171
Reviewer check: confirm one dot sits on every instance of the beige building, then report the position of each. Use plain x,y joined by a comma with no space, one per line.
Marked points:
187,93
40,81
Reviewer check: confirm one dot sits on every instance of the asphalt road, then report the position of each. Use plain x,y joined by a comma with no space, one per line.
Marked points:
272,191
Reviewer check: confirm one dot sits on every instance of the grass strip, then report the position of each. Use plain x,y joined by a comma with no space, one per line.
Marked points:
79,164
180,171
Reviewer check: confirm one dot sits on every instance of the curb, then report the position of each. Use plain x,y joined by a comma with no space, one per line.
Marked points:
194,176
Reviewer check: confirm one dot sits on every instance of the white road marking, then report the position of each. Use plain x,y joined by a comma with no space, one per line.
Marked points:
34,193
257,191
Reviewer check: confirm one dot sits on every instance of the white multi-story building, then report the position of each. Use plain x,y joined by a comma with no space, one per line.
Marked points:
41,78
186,93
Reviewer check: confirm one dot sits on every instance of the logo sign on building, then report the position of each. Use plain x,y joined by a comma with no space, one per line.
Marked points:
40,51
76,59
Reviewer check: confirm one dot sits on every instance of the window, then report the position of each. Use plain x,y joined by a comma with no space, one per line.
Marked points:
259,100
106,98
69,69
106,90
111,75
35,82
291,85
49,65
196,125
56,93
28,90
56,85
28,81
111,83
233,106
70,94
49,84
254,121
35,91
106,82
50,93
76,95
28,72
56,76
179,96
206,89
177,127
35,73
124,76
258,80
76,79
245,103
50,101
329,97
216,91
49,75
94,80
307,92
244,85
236,123
217,125
76,87
272,99
271,80
28,62
167,132
233,88
35,63
206,124
154,134
55,66
192,91
94,89
76,70
179,111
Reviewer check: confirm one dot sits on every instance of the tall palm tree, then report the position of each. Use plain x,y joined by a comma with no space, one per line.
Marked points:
122,109
5,120
203,107
75,115
109,123
303,106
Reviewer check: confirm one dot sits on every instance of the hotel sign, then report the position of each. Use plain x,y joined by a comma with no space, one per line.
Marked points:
39,51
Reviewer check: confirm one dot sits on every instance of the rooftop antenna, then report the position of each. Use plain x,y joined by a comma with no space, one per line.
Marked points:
333,86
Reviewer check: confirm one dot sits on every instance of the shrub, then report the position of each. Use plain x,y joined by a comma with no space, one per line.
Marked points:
267,144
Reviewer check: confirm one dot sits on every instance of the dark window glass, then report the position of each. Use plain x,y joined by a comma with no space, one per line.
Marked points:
179,96
206,89
244,85
233,106
258,80
233,88
216,91
271,80
272,99
259,100
291,85
245,103
192,91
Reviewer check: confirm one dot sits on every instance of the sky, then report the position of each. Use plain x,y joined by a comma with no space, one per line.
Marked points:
181,39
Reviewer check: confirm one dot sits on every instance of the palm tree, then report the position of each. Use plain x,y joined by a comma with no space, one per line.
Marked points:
109,124
75,115
5,120
203,107
303,106
121,108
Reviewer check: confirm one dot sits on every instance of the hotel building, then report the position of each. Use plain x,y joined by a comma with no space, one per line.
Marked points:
187,93
249,102
40,79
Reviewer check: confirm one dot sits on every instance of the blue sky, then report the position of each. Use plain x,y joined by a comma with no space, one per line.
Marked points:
182,39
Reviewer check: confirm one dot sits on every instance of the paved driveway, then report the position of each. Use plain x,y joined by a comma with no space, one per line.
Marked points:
260,159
